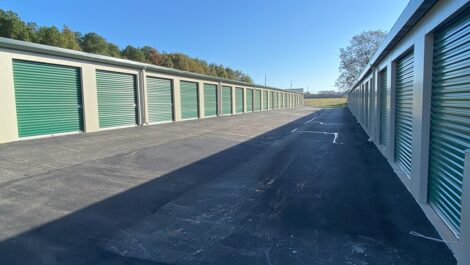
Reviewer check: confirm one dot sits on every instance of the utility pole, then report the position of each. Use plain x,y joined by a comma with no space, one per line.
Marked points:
264,79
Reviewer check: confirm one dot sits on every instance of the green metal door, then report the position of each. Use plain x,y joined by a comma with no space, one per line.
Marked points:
116,99
450,119
249,99
48,98
239,99
210,100
276,100
383,114
159,99
271,100
265,100
404,112
189,100
226,100
257,99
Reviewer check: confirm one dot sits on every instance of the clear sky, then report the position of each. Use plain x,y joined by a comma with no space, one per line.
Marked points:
294,41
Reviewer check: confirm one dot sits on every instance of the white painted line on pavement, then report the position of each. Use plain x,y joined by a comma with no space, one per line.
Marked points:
336,135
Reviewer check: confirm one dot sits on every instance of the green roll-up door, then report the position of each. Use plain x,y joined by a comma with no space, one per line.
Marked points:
276,100
383,114
450,119
265,100
239,99
249,99
48,98
404,112
226,100
210,100
257,100
189,100
270,102
116,99
159,99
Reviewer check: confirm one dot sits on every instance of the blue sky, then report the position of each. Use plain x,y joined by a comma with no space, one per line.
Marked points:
288,40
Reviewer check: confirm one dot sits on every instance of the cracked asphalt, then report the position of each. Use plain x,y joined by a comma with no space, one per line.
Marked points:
301,186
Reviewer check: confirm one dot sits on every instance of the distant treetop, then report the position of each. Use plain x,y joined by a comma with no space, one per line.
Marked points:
13,27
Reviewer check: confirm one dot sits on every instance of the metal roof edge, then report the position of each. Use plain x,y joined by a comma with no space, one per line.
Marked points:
413,12
67,53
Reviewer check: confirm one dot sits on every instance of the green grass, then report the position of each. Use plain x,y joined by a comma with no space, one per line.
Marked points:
325,102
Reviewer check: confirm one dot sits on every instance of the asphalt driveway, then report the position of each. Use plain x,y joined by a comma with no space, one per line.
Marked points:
300,186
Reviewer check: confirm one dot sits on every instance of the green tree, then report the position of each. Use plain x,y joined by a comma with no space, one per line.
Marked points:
70,40
94,43
49,36
246,78
113,50
134,54
11,26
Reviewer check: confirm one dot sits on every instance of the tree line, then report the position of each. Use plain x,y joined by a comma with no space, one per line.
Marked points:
13,27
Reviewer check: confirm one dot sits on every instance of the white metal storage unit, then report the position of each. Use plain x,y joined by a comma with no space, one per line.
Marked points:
421,123
47,91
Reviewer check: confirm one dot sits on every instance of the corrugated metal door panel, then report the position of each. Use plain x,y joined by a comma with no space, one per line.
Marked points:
404,84
450,119
366,104
265,100
116,99
270,101
239,99
48,98
383,115
226,100
159,99
210,100
249,100
257,100
189,100
275,100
